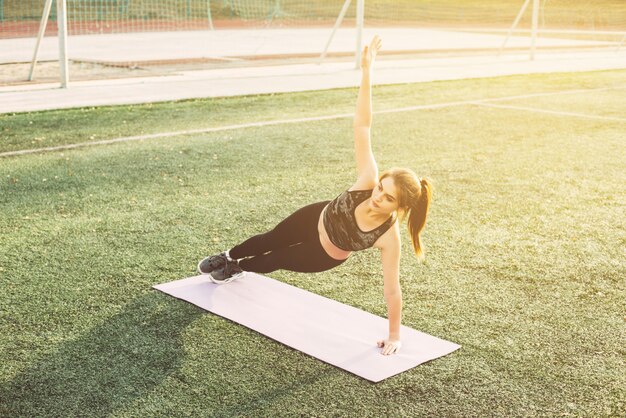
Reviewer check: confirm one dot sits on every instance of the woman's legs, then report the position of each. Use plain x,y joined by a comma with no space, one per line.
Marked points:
305,257
292,245
297,227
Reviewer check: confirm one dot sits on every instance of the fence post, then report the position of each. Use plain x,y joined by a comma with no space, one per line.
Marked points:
513,26
360,17
208,12
337,24
42,31
62,30
533,36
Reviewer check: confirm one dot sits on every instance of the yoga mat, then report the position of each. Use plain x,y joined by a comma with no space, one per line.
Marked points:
331,331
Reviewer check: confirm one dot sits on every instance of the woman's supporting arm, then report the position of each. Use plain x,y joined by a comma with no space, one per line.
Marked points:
394,314
390,255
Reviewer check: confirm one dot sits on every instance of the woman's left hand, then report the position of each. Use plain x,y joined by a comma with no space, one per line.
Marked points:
369,53
390,346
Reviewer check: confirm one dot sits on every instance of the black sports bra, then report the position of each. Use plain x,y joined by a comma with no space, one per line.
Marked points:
341,225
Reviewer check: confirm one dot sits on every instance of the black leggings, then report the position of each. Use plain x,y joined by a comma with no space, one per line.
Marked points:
293,244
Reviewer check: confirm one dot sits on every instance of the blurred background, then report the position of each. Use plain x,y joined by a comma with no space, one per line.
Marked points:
125,38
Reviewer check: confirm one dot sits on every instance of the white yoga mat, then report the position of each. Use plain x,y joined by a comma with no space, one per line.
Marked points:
331,331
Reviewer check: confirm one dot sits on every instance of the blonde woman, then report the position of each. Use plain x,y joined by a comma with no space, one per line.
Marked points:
322,235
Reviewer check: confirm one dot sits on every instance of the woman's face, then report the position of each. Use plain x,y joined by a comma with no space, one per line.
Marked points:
384,197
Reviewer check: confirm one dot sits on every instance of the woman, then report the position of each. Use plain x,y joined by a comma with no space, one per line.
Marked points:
322,235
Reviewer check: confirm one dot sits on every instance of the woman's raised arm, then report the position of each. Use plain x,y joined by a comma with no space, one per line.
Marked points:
366,164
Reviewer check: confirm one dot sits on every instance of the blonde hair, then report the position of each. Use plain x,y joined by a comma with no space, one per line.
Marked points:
414,196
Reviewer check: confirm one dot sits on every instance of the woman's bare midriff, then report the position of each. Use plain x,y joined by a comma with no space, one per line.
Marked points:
331,249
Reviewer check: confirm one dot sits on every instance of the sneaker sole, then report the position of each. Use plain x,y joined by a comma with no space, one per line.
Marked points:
228,280
198,268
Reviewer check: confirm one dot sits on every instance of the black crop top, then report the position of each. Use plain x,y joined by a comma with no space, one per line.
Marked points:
341,225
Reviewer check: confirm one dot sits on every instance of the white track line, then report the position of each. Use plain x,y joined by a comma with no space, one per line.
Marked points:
176,133
311,119
551,112
531,95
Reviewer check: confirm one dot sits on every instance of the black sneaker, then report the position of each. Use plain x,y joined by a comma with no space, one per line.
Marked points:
208,264
226,274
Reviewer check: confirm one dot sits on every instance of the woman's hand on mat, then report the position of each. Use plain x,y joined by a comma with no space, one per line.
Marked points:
369,53
389,346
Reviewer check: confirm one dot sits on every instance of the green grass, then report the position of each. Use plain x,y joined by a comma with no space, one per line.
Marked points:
58,127
525,254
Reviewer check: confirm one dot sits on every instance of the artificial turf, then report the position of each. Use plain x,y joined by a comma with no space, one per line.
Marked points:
525,260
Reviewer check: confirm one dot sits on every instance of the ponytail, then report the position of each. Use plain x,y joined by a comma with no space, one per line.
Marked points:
414,196
418,210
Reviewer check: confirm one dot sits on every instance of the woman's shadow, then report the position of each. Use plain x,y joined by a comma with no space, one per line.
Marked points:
108,367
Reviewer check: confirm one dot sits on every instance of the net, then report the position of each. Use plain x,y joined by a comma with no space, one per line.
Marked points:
499,14
20,18
195,33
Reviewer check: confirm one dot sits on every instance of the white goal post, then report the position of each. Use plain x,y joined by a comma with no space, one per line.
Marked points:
360,18
62,34
224,33
533,31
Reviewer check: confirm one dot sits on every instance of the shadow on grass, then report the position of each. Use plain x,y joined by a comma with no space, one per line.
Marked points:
108,367
254,404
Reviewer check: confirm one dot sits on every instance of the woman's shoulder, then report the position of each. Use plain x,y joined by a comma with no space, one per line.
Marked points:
390,239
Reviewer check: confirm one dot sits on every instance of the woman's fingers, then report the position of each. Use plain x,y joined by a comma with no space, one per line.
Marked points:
389,347
370,51
376,43
390,350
